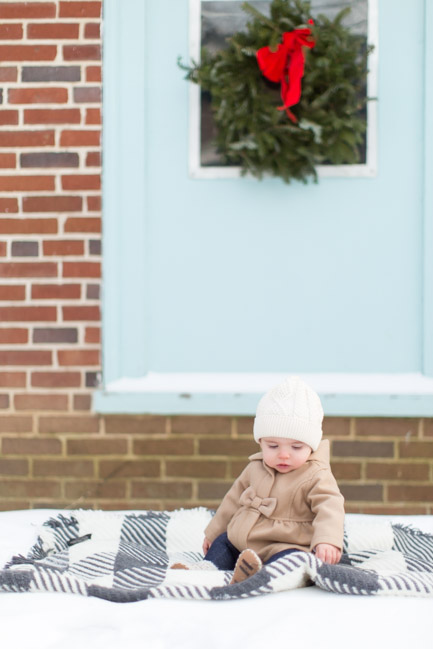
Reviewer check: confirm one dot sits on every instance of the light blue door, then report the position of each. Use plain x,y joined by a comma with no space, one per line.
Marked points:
249,276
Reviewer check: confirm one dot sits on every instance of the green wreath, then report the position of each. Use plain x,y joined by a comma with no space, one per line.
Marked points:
328,123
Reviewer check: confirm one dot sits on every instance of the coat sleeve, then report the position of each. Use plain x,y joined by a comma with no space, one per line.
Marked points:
327,504
228,507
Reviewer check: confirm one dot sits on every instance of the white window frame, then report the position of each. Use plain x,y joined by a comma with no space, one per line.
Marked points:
367,169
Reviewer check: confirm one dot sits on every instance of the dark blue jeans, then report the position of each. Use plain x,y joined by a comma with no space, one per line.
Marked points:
224,555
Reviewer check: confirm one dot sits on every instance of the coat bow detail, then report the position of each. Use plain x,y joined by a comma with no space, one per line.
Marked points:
265,506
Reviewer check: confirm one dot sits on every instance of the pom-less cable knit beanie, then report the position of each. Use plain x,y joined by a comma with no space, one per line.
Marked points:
292,410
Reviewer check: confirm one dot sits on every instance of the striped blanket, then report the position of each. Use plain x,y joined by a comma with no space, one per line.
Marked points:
126,557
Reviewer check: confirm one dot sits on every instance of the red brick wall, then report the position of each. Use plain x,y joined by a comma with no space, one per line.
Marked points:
50,229
50,204
54,452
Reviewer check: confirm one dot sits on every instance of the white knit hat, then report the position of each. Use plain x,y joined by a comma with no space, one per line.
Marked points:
292,410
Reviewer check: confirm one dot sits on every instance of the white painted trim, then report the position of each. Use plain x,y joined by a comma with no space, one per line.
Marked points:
372,87
124,205
260,382
369,169
194,89
428,193
342,395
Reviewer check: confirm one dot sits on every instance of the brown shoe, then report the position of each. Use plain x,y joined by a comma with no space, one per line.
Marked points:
179,566
197,565
247,565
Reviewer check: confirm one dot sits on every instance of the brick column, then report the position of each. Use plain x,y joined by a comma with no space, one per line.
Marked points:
50,245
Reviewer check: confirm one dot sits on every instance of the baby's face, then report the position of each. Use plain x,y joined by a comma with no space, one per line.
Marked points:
284,455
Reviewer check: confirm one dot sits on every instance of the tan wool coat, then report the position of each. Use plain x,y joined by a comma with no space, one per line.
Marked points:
269,511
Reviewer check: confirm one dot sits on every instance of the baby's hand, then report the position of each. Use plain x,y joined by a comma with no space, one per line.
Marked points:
327,553
206,545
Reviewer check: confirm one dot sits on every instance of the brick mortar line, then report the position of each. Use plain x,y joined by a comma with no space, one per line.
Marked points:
85,235
53,105
26,40
57,172
395,482
421,428
66,149
52,215
15,193
86,258
48,303
51,237
376,437
68,347
52,19
393,462
31,63
45,193
24,173
47,41
54,302
41,172
56,367
36,63
46,124
19,194
76,193
52,22
53,148
49,148
388,460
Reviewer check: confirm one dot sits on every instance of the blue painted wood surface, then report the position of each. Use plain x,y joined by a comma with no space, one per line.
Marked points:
249,276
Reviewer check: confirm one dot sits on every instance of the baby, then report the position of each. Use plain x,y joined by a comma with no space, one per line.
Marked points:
286,499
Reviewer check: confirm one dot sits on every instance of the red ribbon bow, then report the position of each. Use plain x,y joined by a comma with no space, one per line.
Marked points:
286,65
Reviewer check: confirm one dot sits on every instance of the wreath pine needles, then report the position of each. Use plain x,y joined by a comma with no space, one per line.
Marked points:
251,132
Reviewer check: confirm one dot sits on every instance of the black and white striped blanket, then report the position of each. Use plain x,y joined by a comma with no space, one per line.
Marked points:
126,557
